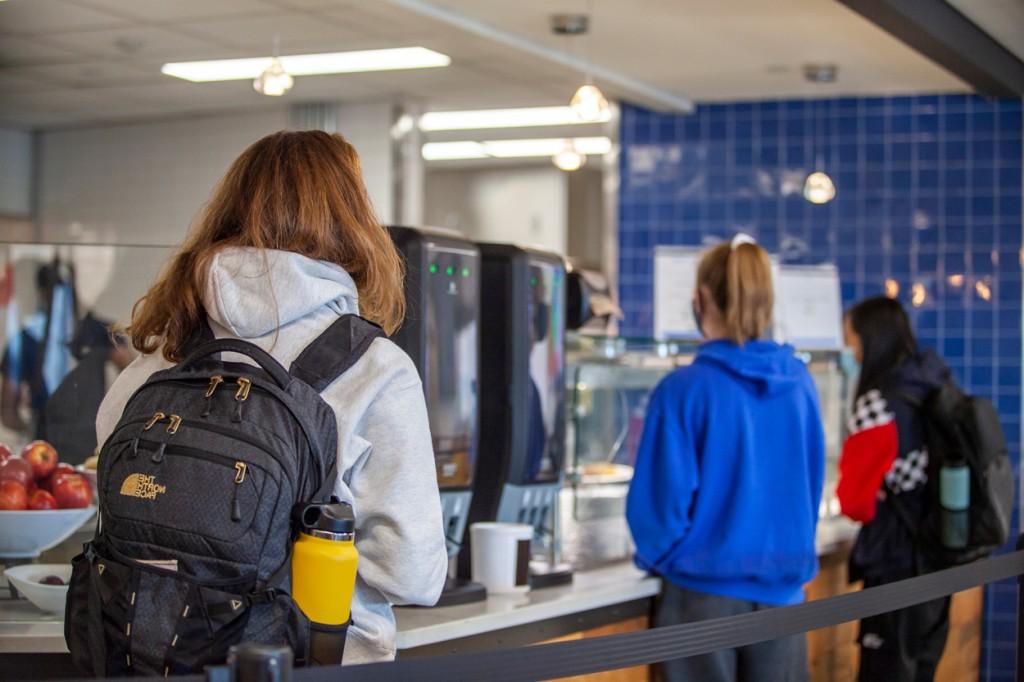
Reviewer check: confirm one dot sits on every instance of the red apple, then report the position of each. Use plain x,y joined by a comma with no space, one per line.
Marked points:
17,470
42,456
5,453
61,470
41,499
72,492
13,496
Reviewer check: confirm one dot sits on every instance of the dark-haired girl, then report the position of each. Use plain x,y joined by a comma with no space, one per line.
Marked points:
882,474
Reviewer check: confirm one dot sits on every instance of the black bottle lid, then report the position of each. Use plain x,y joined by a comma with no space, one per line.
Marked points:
330,517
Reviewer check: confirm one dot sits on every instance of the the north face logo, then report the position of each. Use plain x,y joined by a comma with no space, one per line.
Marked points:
142,486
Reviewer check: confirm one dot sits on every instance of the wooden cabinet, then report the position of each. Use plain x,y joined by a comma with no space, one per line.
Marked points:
637,674
833,653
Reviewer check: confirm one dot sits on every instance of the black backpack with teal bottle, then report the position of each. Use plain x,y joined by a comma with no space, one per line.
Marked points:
196,486
963,431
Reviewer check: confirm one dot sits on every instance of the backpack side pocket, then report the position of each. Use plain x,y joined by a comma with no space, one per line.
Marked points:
82,630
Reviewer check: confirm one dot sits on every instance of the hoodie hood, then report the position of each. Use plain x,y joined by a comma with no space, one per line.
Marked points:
921,375
764,366
253,292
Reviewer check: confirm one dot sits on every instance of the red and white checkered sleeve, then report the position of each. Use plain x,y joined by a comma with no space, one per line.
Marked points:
868,455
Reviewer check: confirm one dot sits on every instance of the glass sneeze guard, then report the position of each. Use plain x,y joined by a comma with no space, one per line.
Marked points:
609,381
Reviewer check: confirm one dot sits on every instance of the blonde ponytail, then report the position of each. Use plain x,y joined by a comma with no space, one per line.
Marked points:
739,278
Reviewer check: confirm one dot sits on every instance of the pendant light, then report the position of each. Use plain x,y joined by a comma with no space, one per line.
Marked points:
569,158
274,81
819,187
588,102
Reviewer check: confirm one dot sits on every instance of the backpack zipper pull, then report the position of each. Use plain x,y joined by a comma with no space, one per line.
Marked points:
215,381
244,385
236,509
135,448
159,416
241,395
240,469
158,456
172,428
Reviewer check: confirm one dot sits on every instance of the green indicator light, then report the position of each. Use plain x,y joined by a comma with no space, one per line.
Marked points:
533,281
433,268
465,272
450,270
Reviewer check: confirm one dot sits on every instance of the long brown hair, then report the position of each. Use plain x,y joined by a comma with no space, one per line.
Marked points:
292,191
739,278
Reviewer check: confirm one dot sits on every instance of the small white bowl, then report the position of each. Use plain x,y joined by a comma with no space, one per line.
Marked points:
49,598
26,534
89,475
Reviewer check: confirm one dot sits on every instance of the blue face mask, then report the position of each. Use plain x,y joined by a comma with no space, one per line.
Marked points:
848,363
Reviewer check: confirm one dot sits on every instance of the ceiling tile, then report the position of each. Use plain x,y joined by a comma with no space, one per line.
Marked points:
14,81
211,96
297,33
312,4
140,42
384,19
15,51
161,11
90,73
26,18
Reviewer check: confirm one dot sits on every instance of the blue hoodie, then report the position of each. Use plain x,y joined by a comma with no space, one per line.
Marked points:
728,477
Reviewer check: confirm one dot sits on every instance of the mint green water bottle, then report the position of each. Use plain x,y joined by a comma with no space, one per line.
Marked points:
955,498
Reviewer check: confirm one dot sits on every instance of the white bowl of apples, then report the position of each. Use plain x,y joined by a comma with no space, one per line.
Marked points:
42,502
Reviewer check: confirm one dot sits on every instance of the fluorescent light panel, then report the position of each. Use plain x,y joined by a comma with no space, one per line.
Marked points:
503,118
309,64
511,149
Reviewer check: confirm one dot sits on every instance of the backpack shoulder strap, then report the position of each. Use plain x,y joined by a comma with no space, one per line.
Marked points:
333,352
201,336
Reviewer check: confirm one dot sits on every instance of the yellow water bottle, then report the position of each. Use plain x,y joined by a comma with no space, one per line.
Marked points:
324,561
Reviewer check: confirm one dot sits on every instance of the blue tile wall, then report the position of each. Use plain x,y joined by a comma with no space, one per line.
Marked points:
928,192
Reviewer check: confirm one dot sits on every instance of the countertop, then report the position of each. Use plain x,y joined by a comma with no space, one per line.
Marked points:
594,589
25,629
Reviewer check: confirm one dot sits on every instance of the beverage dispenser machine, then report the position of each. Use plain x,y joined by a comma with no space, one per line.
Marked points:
442,290
522,399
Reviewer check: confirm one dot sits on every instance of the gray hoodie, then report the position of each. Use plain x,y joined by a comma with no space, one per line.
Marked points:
386,460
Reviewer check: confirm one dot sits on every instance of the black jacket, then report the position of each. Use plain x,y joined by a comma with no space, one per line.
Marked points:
884,463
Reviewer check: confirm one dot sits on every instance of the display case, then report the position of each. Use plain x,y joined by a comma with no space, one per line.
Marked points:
608,382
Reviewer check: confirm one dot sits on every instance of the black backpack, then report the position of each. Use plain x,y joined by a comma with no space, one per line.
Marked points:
960,428
196,487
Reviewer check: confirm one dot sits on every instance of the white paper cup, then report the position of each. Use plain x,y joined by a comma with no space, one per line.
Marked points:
501,556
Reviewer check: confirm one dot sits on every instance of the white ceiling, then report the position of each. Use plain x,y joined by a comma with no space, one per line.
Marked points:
65,62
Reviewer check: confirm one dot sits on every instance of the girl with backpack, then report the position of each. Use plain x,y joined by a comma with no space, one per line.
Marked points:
882,476
288,244
724,499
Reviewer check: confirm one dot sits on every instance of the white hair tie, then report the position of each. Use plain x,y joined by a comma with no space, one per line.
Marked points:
742,238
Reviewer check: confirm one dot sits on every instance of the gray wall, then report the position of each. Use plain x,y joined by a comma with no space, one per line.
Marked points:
15,173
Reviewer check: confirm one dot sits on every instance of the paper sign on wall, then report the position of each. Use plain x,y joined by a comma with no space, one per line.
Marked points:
675,273
808,306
